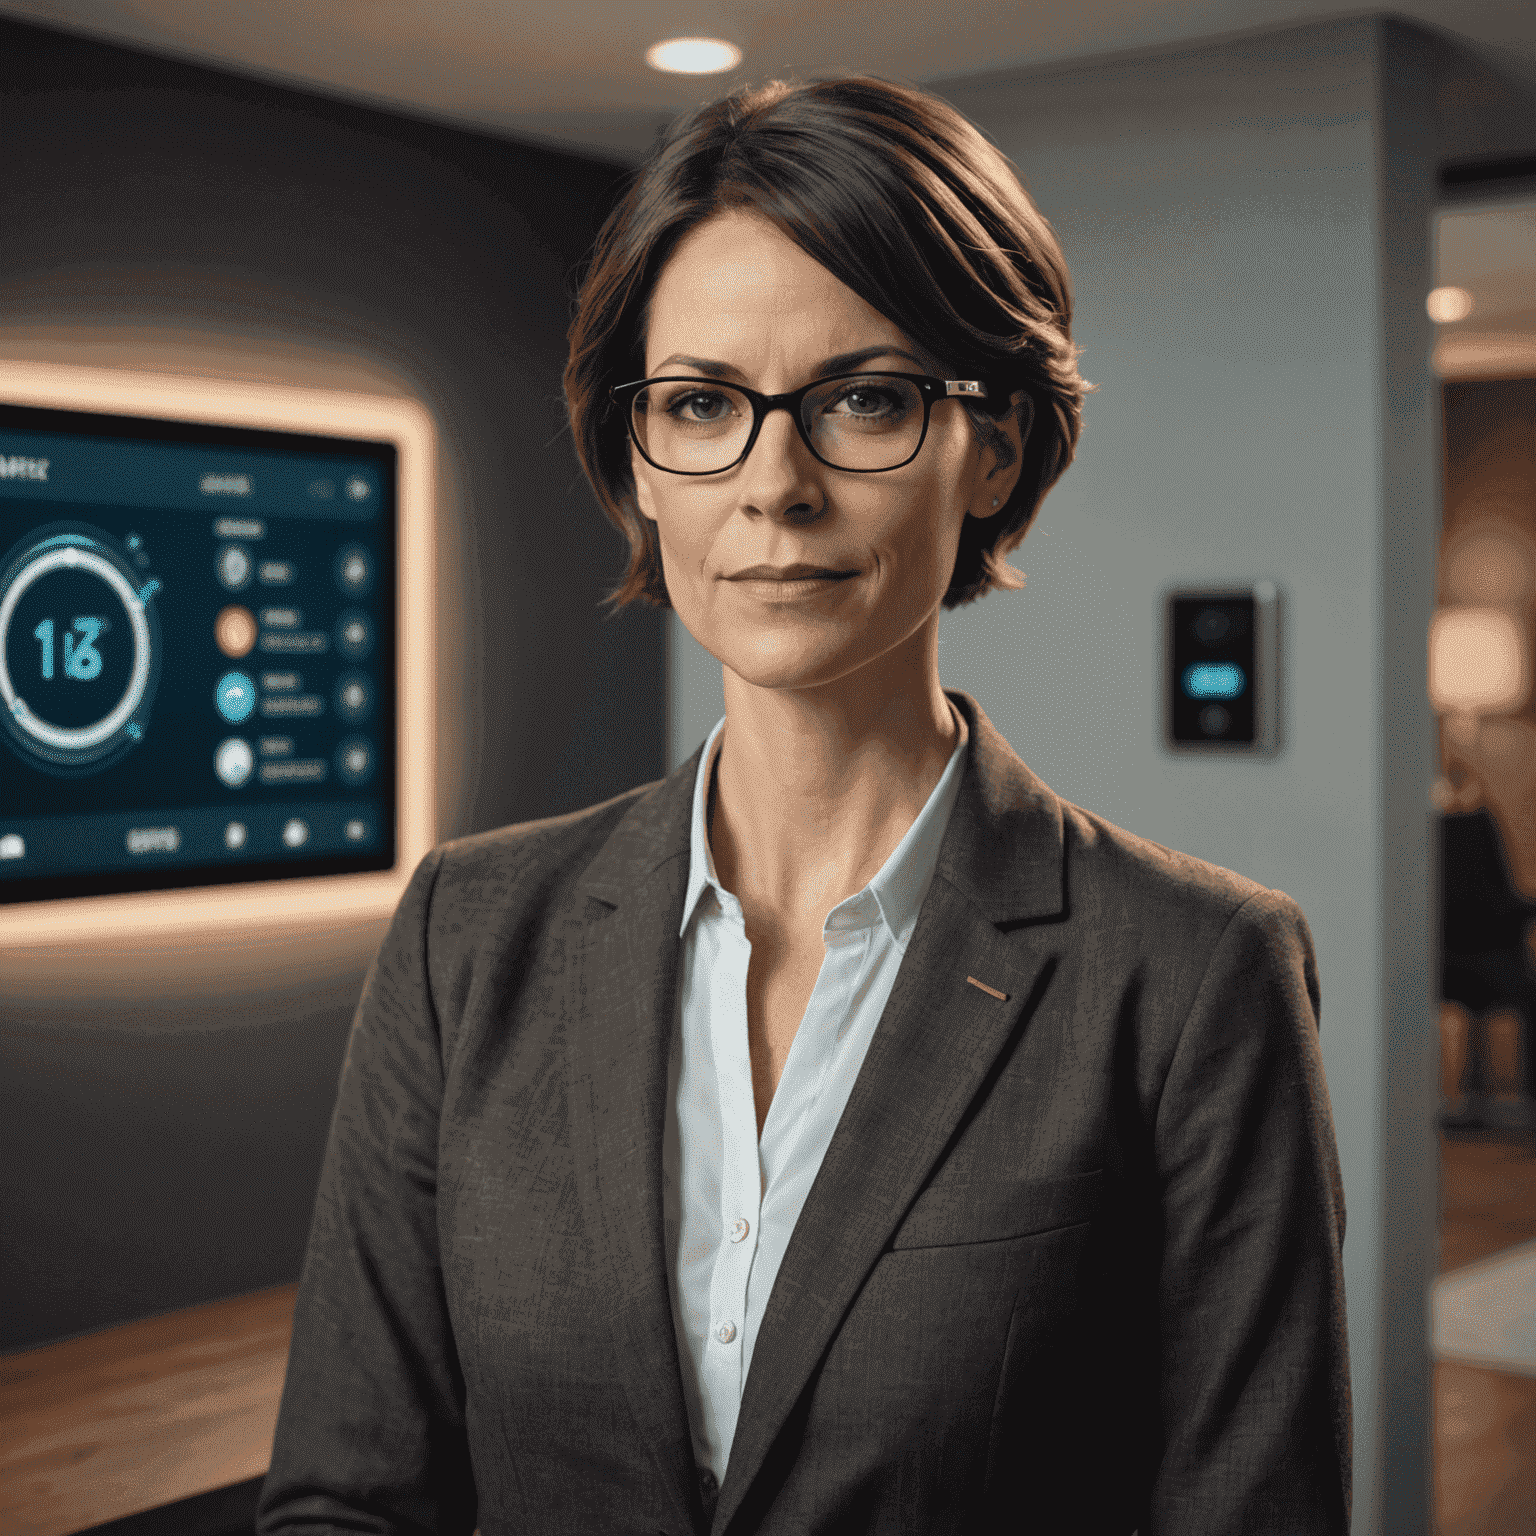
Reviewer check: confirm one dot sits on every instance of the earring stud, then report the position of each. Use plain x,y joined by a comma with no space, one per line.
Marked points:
994,501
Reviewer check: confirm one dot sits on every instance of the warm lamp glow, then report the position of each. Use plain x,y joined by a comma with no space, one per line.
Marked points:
1491,566
1448,304
693,56
1476,662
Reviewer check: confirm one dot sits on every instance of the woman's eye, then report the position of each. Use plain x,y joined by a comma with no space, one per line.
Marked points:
700,406
866,401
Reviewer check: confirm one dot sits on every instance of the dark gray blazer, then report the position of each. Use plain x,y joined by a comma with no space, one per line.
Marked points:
1071,1263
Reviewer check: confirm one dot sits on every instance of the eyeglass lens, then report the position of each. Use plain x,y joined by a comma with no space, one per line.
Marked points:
856,423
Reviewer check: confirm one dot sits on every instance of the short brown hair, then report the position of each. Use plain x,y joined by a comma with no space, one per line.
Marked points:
905,202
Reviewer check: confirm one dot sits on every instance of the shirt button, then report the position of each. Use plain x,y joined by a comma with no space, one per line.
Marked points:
726,1332
738,1229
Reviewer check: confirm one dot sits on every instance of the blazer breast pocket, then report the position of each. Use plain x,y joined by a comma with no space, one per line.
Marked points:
954,1211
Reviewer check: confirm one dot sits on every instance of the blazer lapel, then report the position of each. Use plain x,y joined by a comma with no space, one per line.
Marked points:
1001,862
620,995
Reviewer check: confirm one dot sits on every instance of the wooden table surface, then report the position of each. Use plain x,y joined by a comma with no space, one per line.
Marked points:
134,1417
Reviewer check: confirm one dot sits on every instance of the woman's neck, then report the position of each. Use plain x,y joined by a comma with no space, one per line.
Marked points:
814,788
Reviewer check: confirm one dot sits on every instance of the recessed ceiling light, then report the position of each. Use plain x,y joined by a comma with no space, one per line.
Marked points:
693,56
1448,304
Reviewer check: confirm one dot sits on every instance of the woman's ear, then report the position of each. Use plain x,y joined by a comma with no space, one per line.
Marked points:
1005,450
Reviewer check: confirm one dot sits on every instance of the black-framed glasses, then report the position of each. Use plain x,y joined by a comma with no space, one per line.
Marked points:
862,422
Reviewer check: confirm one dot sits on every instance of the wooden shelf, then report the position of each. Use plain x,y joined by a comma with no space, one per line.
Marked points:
131,1418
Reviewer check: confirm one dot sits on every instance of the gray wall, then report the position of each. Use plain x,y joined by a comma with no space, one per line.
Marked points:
160,1132
1247,223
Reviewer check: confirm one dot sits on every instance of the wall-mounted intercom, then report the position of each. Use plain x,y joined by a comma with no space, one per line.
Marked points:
1221,669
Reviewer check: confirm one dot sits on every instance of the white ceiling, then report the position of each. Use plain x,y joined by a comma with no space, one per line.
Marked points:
574,74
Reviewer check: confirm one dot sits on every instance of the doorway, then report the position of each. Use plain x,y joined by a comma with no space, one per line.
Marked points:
1482,667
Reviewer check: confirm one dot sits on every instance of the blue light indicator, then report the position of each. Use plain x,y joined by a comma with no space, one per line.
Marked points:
1214,680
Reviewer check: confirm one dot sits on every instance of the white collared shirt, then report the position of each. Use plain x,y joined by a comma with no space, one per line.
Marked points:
730,1203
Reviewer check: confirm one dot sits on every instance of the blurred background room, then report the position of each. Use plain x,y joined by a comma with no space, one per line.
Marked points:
1303,243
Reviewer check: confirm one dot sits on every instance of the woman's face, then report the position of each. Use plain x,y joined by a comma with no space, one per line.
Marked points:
739,295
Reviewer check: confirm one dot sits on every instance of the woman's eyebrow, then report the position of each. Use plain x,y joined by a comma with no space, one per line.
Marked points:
841,362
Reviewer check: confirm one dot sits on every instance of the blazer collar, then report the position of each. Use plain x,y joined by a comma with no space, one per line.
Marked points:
1000,866
1002,849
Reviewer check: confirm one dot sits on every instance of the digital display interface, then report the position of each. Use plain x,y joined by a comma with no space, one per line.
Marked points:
197,654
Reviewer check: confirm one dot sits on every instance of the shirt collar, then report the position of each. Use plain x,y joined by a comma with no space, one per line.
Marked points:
897,891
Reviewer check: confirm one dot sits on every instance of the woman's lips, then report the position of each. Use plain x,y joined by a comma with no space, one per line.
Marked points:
778,590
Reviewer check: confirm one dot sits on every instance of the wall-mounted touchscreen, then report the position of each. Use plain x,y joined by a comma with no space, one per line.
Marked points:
197,654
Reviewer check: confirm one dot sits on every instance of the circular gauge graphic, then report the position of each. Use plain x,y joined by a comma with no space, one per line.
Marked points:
79,650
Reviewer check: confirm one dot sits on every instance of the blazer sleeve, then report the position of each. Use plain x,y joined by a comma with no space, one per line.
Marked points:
1254,1369
371,1430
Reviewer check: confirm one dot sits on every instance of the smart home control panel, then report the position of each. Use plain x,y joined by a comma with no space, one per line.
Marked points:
1221,669
197,654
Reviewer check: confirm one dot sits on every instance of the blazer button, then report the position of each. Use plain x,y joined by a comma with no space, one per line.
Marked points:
726,1332
738,1229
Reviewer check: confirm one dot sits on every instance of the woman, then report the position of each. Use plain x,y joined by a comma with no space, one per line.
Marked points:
844,1133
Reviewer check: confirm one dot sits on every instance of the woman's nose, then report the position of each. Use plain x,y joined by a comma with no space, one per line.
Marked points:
780,472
